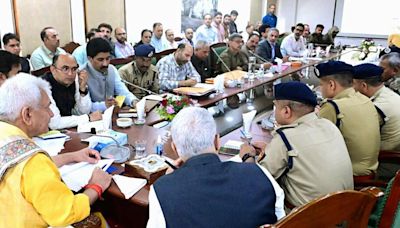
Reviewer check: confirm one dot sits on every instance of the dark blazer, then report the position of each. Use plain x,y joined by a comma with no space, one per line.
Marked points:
264,50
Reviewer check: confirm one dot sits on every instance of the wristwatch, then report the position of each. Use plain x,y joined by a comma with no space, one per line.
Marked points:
84,92
247,156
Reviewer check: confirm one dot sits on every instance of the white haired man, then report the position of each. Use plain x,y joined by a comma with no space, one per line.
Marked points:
31,191
204,189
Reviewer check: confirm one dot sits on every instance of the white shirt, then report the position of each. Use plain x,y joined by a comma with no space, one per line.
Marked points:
80,111
156,215
292,47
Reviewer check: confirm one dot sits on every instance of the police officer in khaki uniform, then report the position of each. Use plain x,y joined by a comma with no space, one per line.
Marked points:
233,57
391,70
307,154
353,113
367,81
141,72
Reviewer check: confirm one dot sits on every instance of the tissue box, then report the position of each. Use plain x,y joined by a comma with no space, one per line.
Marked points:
122,138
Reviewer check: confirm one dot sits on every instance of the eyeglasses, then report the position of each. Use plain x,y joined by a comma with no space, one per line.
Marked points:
67,69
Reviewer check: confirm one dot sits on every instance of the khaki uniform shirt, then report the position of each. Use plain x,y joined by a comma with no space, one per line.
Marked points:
148,80
359,124
233,61
389,102
321,163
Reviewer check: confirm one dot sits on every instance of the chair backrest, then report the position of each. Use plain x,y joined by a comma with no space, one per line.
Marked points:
390,209
159,55
41,71
219,48
70,47
121,61
177,39
351,207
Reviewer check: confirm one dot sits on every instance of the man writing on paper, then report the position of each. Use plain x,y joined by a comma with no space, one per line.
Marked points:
204,189
31,191
175,70
70,99
307,154
141,72
104,81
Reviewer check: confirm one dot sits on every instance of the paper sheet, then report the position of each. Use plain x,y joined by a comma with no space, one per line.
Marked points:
154,97
77,175
247,119
120,100
129,186
99,125
51,146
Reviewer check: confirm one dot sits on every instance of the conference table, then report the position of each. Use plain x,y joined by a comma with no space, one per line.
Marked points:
133,212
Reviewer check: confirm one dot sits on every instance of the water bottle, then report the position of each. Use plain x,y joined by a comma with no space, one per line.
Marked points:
159,146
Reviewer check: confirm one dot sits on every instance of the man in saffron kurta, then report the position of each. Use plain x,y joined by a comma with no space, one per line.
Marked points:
31,190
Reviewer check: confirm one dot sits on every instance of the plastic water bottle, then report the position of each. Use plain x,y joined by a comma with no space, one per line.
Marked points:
261,71
159,146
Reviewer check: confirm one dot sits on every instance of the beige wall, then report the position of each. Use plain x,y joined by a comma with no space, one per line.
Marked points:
109,11
33,16
255,11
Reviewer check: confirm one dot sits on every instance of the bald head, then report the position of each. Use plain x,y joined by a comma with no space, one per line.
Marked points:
120,35
183,53
64,69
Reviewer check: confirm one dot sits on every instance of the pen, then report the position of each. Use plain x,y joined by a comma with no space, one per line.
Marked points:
103,167
171,165
248,140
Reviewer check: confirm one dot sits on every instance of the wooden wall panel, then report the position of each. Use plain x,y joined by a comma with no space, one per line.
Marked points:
108,11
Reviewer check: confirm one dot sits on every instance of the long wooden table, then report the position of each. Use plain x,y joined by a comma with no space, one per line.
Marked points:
134,211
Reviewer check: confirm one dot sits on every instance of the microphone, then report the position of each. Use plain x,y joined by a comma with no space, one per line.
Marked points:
115,151
138,87
220,59
257,56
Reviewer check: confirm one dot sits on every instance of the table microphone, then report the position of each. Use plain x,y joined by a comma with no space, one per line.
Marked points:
257,56
138,87
220,59
115,151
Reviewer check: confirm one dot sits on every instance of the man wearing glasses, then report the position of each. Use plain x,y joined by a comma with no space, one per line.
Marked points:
70,99
294,44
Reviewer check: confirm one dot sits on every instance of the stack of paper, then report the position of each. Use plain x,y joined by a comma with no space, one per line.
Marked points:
51,146
77,175
129,185
232,144
99,125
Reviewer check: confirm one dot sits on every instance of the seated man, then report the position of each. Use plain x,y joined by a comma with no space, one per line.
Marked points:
317,36
269,49
106,30
70,99
13,44
294,44
123,49
307,154
206,192
104,81
141,72
156,39
176,70
200,60
233,57
170,40
10,65
353,113
391,70
367,80
80,52
206,32
329,37
249,49
43,56
32,193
